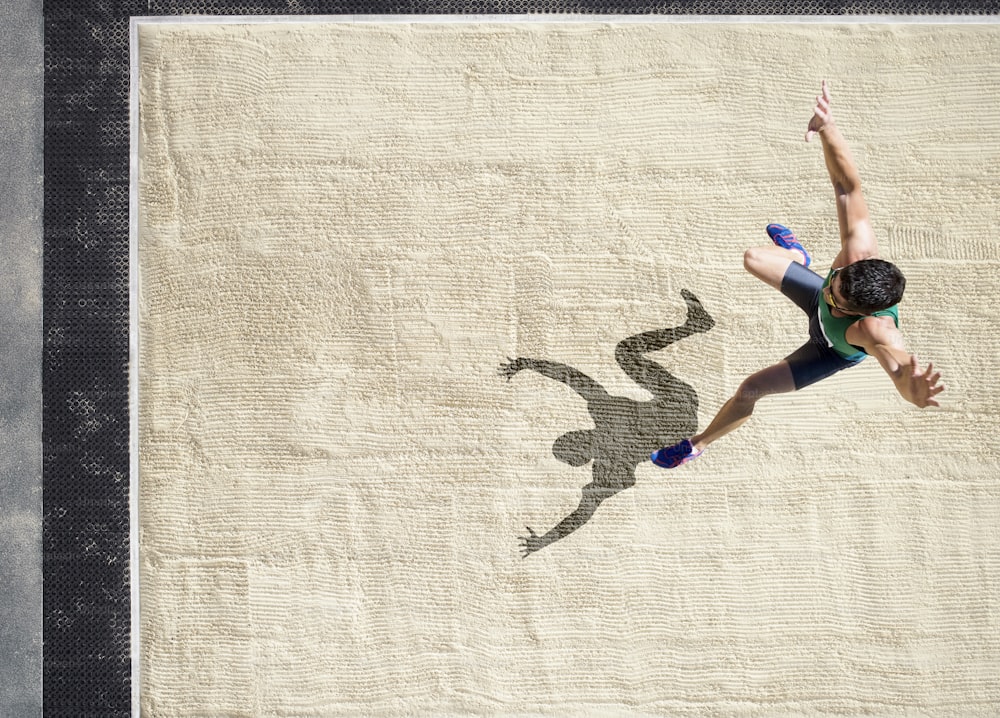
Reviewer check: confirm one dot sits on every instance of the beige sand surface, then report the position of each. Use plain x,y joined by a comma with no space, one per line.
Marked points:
346,228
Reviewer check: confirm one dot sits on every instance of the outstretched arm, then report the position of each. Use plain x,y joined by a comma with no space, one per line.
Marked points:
886,344
573,378
857,240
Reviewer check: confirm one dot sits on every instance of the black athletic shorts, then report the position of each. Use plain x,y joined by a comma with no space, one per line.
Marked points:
815,359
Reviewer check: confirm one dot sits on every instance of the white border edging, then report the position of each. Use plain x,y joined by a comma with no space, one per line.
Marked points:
572,18
133,361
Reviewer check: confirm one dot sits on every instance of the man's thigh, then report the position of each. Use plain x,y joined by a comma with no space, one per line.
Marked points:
802,286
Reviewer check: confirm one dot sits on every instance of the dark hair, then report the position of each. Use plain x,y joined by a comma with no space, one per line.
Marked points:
871,285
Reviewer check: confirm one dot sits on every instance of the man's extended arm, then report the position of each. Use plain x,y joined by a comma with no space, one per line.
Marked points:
856,236
886,344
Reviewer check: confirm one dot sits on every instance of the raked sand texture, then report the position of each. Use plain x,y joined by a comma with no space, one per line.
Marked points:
346,228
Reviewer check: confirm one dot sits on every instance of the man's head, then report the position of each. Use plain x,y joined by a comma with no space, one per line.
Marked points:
870,285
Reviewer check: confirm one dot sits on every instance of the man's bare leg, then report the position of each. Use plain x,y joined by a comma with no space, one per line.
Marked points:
770,263
775,379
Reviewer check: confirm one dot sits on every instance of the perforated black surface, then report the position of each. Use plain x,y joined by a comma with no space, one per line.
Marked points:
86,629
84,376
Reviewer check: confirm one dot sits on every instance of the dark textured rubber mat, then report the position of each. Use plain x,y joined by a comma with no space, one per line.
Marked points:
86,630
85,435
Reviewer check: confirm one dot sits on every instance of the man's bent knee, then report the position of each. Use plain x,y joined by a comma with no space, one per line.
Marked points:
751,260
776,379
767,264
750,392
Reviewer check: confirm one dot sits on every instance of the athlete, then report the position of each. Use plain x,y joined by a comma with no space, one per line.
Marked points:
852,312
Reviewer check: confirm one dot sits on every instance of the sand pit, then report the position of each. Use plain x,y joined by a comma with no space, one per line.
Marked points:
346,228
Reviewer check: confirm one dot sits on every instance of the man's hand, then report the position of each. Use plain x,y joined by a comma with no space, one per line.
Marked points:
822,115
921,387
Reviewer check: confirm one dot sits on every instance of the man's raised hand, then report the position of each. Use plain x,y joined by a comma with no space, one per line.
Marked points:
822,114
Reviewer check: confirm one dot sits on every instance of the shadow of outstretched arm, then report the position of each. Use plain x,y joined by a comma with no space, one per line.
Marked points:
575,379
592,498
609,478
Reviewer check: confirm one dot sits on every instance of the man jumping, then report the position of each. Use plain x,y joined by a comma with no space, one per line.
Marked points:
852,312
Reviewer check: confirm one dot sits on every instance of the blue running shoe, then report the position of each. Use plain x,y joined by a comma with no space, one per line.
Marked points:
785,238
673,456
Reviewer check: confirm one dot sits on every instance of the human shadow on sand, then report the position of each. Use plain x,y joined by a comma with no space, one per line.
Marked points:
625,431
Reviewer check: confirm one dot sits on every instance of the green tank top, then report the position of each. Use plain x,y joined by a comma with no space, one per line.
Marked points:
835,328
